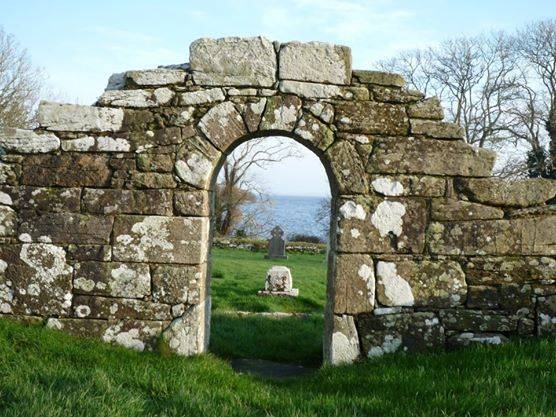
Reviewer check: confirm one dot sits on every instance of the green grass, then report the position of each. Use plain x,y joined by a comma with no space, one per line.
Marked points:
237,275
47,373
291,340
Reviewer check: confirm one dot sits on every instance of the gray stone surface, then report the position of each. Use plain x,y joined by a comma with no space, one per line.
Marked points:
316,62
76,118
27,141
137,98
233,61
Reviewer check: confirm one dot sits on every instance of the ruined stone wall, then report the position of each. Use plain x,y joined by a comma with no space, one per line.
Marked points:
105,209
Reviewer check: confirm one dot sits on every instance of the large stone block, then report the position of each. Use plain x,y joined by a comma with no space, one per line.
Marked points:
422,283
344,346
27,141
314,132
202,97
372,118
76,118
500,192
436,129
281,113
44,199
430,108
546,315
192,203
315,61
40,278
483,270
374,225
223,125
326,91
354,284
233,61
531,236
137,98
478,321
113,201
134,334
92,307
8,221
348,168
188,335
380,334
408,185
160,239
114,279
175,284
157,77
379,77
66,170
430,157
66,228
446,209
195,162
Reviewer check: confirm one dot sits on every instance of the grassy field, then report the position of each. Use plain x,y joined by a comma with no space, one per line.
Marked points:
50,374
237,275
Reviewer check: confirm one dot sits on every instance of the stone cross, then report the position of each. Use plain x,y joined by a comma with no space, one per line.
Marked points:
276,245
279,282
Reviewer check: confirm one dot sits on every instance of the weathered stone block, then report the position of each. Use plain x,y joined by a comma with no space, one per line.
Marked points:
430,108
188,335
40,278
76,118
372,118
157,77
379,77
202,97
44,199
281,113
348,168
152,180
315,61
137,98
8,221
133,334
195,162
373,225
67,228
445,209
408,282
92,307
499,192
315,133
321,109
112,279
478,321
27,141
436,129
408,185
468,338
534,236
354,284
192,203
344,346
155,162
483,297
252,113
222,125
392,332
90,252
233,61
111,201
175,284
430,157
507,270
161,239
66,170
394,94
326,91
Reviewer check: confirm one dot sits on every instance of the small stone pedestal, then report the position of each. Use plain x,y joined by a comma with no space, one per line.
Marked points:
279,282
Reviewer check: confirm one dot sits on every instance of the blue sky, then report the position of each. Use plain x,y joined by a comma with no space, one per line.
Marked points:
78,44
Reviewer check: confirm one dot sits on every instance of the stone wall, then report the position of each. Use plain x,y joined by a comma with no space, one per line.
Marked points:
105,209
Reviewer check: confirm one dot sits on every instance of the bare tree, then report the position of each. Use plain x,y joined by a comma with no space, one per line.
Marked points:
237,187
20,84
536,44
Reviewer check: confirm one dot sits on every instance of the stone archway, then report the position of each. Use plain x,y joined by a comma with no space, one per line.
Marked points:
104,209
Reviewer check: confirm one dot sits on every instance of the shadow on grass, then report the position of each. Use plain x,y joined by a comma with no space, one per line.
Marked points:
290,340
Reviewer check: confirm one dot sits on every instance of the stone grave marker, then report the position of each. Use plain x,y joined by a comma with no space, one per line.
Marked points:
279,282
276,245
